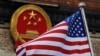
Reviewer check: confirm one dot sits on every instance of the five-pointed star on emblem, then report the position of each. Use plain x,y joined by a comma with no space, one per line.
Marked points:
39,20
32,15
25,17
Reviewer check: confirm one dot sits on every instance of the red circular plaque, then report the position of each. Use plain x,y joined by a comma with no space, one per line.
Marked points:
29,21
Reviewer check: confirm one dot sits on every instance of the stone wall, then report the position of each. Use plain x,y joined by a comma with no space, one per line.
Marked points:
96,46
6,43
95,39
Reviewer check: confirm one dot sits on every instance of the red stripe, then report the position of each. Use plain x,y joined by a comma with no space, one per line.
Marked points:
55,48
63,41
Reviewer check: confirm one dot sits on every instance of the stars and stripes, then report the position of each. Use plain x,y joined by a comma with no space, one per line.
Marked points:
68,38
76,28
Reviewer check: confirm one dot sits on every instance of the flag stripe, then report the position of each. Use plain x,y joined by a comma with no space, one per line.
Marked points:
51,52
56,31
56,48
63,23
19,48
57,39
60,44
57,28
21,52
74,41
60,35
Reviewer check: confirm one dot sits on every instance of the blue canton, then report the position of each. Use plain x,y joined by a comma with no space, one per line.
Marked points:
76,27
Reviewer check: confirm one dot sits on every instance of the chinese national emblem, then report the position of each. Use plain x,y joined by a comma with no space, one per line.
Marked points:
28,22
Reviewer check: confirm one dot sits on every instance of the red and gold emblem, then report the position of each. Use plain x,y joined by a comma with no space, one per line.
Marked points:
28,22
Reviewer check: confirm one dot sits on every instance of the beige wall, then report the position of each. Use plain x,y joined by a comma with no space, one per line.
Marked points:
6,44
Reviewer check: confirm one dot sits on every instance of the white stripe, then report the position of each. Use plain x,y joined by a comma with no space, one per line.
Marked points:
59,44
54,53
21,52
73,39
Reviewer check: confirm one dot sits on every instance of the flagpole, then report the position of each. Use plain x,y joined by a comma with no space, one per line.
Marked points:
81,5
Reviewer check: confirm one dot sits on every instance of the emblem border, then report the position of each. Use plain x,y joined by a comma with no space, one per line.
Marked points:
19,11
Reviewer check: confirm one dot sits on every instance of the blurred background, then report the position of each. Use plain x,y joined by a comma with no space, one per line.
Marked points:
57,11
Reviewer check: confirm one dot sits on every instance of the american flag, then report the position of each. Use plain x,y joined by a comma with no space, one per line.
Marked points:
68,38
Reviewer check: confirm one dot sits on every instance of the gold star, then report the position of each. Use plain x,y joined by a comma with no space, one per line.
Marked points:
32,15
29,23
35,23
39,20
25,17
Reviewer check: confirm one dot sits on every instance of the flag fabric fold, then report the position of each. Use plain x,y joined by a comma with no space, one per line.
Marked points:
67,38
